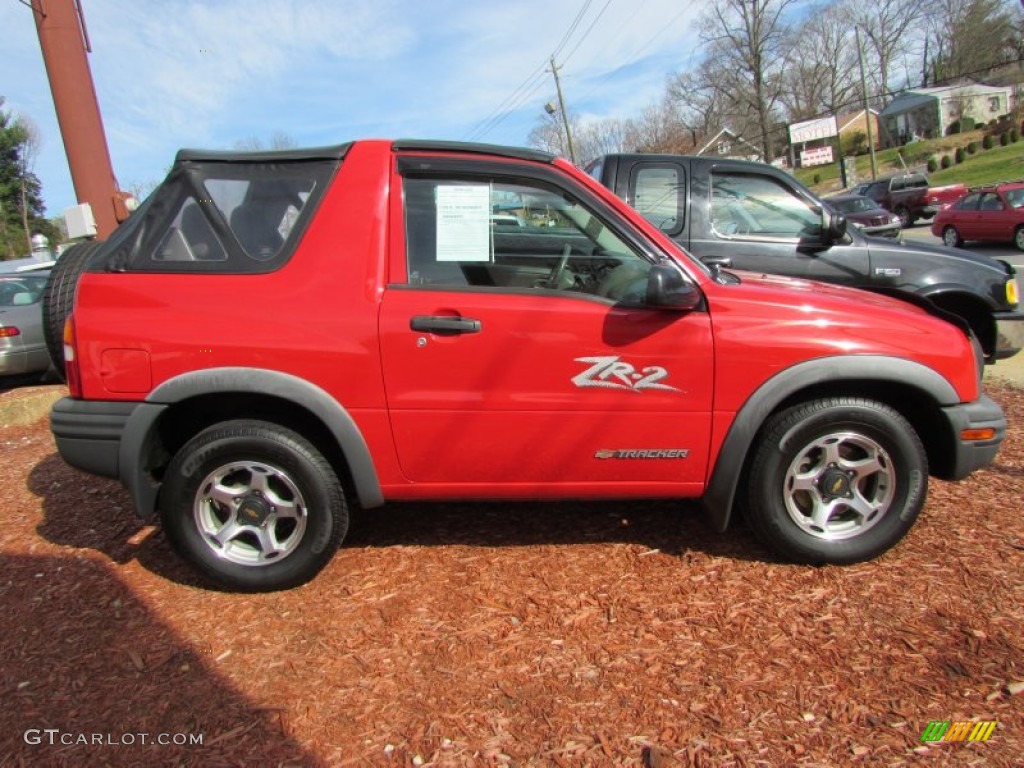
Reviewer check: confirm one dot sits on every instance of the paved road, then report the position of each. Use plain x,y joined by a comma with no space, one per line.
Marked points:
922,233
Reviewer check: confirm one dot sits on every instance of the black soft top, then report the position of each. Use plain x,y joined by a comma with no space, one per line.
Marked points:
336,152
519,153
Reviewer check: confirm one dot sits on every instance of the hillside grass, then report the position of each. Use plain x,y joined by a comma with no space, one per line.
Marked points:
983,167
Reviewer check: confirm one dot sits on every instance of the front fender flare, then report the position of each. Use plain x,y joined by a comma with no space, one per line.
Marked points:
725,476
140,429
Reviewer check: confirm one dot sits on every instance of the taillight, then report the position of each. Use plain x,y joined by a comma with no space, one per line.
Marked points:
9,330
70,360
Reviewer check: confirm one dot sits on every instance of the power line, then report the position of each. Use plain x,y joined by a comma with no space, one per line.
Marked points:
529,86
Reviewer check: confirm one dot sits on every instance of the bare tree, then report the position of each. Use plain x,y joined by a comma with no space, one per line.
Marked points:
968,37
660,128
590,139
278,140
749,39
821,76
893,30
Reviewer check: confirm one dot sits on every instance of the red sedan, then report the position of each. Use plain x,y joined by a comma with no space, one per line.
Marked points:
990,213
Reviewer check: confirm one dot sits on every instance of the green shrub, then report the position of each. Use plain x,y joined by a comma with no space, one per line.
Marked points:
855,143
945,162
933,166
987,142
1004,139
959,155
817,178
1014,135
972,148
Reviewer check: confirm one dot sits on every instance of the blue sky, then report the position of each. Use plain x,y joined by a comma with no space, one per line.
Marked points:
328,71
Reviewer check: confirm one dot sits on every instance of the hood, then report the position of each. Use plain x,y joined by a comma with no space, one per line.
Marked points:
812,290
879,245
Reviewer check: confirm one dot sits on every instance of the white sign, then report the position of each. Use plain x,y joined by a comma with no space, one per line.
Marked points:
819,156
464,222
812,130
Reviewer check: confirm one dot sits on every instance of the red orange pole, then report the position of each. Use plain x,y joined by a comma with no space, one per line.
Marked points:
62,37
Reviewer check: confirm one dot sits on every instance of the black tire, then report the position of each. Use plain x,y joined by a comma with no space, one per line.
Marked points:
233,480
59,298
818,445
906,220
1018,238
951,237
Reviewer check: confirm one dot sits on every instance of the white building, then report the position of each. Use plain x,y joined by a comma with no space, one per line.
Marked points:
927,113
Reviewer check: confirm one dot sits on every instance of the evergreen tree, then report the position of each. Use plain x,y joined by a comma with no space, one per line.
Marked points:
21,202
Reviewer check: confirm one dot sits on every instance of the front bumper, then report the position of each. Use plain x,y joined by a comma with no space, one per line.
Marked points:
1009,334
969,455
892,230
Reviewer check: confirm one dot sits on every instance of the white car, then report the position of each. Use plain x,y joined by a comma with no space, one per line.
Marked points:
23,354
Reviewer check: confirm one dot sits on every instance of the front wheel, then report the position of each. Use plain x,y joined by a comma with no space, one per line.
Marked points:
951,237
906,220
1018,238
837,480
254,506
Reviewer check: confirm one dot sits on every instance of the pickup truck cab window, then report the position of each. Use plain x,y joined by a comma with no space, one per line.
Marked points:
656,191
750,206
454,239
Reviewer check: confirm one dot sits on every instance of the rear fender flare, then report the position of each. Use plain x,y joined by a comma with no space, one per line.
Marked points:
141,425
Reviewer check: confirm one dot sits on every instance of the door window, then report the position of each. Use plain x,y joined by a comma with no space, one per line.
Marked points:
747,205
456,237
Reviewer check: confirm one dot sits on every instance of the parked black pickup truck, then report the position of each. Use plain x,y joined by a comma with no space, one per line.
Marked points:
752,216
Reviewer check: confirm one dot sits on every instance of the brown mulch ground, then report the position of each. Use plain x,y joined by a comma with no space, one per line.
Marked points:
527,634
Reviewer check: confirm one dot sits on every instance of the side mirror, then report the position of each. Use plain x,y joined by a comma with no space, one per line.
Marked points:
833,226
669,288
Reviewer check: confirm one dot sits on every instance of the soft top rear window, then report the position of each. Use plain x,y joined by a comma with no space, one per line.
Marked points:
210,216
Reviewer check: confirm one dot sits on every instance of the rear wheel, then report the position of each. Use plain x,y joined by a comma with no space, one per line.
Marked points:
836,480
1018,238
59,298
951,237
254,506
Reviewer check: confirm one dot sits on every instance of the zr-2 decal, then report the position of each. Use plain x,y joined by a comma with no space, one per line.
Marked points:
610,372
642,453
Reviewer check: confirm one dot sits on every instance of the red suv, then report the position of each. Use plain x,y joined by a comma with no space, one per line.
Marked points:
273,336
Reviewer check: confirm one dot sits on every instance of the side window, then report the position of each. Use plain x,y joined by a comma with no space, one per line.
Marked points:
228,217
897,185
656,191
1015,197
990,202
750,205
454,241
969,202
189,238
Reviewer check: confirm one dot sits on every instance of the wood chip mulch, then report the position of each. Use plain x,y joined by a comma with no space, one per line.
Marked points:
561,634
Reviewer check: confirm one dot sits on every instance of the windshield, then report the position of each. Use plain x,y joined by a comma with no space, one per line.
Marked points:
21,290
853,205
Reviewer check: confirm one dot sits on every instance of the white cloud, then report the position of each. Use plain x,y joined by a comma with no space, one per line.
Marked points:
211,72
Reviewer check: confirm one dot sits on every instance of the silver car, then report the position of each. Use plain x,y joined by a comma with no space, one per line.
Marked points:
22,347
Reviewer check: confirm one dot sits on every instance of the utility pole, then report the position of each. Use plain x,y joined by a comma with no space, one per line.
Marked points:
561,108
64,42
867,111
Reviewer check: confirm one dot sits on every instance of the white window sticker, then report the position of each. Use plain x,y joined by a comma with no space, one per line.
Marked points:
463,222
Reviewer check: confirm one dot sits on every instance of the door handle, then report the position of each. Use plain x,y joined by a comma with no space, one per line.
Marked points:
444,325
